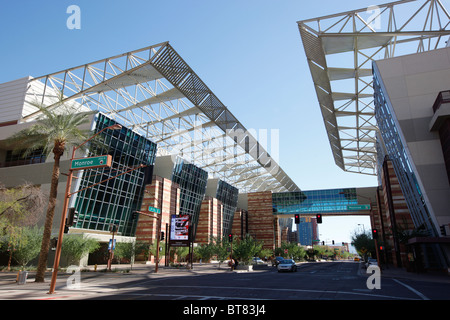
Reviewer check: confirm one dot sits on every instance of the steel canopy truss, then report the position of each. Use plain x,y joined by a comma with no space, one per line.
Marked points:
340,49
155,93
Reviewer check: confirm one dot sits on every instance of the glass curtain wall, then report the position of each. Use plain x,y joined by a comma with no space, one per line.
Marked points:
314,201
17,159
305,231
192,181
114,201
228,195
396,152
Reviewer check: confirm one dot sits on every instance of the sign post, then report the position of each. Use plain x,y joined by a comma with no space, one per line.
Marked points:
66,201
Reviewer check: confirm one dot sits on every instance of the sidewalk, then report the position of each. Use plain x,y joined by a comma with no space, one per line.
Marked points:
92,283
140,268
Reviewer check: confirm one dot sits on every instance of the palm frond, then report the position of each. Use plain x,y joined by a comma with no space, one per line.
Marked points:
59,124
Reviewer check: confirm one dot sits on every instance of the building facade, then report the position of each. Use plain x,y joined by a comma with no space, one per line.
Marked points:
164,195
175,115
307,231
412,147
113,202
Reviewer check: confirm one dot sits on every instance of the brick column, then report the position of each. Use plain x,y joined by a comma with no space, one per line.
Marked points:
262,225
239,228
210,220
164,195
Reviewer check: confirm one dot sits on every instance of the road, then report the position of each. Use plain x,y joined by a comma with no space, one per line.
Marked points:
312,281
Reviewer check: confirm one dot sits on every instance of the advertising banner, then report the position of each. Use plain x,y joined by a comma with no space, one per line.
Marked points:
179,230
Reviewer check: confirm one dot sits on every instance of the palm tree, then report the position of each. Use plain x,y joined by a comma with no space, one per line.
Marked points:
54,132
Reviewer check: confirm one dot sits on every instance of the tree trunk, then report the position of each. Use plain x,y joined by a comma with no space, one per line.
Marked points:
43,255
9,259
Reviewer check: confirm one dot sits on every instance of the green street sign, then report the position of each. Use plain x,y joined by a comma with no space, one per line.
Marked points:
91,162
358,207
155,210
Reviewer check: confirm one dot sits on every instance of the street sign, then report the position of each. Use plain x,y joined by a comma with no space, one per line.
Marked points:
358,207
109,245
153,209
91,162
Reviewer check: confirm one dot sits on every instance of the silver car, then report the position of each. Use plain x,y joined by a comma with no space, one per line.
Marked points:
287,265
257,260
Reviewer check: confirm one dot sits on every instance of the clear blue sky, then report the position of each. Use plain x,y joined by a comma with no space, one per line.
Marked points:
248,52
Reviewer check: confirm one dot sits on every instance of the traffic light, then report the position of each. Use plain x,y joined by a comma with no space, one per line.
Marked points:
134,215
332,242
381,248
162,236
297,218
148,175
374,233
319,218
443,232
230,237
72,217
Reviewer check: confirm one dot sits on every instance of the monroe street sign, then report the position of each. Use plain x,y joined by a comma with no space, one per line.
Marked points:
153,209
358,207
91,162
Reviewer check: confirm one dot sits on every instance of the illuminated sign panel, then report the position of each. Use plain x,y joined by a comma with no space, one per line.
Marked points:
179,230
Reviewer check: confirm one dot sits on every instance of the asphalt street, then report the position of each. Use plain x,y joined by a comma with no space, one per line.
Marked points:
313,281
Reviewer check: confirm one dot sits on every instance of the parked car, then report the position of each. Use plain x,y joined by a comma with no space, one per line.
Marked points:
276,261
257,260
287,265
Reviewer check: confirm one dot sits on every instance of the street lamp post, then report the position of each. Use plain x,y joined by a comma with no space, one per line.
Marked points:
66,207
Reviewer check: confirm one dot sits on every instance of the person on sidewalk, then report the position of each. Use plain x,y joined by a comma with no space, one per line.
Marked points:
231,264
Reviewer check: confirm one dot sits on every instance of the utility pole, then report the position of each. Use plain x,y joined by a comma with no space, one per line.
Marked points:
113,229
158,232
158,238
67,196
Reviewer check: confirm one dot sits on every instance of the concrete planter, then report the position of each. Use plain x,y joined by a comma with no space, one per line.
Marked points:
244,267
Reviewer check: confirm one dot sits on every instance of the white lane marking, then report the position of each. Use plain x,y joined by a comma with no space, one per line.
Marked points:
412,289
294,290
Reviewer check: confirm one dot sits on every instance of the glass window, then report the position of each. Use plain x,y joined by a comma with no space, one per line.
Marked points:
115,200
17,159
